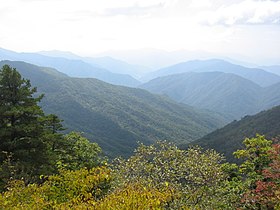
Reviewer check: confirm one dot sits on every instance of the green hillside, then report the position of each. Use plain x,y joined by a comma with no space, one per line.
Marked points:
117,117
229,138
271,96
221,92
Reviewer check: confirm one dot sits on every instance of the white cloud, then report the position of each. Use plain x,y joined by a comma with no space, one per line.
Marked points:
134,10
245,12
200,3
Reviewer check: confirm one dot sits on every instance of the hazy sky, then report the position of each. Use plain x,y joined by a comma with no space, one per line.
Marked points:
248,27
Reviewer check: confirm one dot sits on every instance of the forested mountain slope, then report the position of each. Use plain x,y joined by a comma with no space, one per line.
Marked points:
117,117
229,138
271,96
259,76
222,92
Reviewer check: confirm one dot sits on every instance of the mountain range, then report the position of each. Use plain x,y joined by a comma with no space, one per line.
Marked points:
275,69
157,58
73,67
117,117
185,101
259,76
226,93
106,62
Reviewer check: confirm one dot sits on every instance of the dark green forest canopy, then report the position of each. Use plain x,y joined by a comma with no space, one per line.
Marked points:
21,117
23,127
225,93
229,138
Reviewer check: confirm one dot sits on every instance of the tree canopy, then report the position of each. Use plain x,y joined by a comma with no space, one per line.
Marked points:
24,144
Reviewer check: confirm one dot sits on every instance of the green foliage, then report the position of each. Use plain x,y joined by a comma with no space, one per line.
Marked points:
193,174
79,153
256,158
261,172
156,164
255,155
250,186
161,176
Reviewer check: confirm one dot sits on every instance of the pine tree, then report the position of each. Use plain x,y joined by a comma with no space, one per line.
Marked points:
24,134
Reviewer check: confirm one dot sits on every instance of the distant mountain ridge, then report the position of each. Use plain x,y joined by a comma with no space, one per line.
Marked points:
221,92
275,69
259,76
229,138
71,67
114,65
117,117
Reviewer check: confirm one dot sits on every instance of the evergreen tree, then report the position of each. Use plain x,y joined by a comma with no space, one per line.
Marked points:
53,137
25,132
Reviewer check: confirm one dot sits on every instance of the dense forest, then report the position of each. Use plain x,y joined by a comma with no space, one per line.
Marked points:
41,168
226,93
229,138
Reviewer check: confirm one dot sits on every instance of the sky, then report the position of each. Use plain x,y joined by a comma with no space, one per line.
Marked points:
87,27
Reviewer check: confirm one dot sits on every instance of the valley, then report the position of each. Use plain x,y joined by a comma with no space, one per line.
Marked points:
187,101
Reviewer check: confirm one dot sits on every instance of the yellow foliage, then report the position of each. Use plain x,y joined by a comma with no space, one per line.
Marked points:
59,193
136,196
67,190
